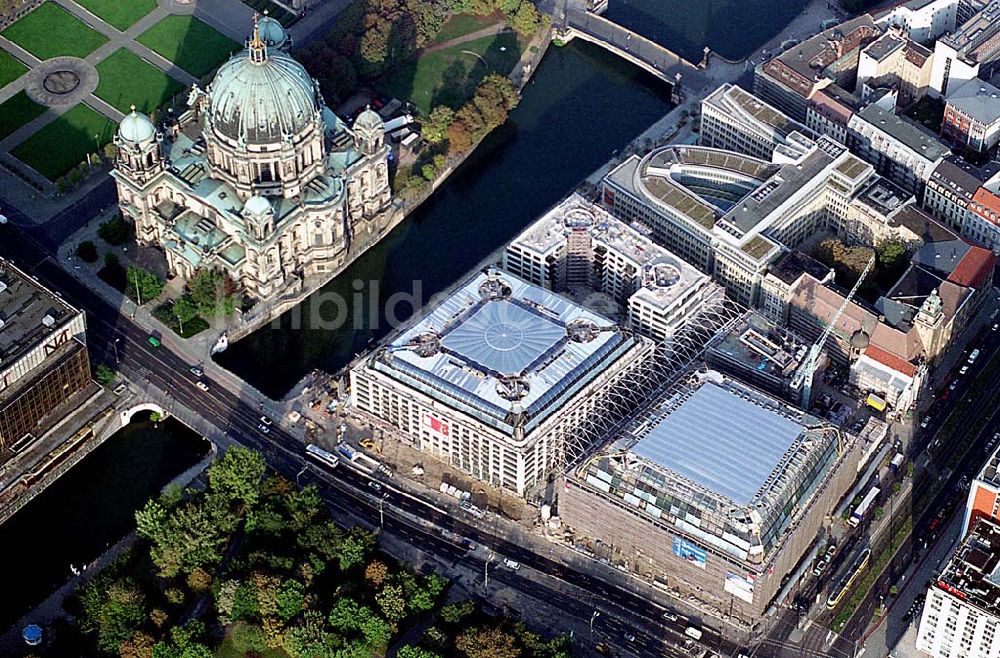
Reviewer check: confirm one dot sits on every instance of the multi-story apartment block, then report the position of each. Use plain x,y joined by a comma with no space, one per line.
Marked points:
961,616
789,80
735,120
830,110
971,51
578,246
982,219
949,191
922,20
984,494
900,148
972,117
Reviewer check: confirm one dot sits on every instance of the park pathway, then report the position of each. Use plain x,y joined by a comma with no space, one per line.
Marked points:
487,31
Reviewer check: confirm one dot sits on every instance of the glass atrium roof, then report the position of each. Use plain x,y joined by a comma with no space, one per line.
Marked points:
721,440
504,338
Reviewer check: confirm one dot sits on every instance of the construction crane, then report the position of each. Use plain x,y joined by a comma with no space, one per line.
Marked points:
807,369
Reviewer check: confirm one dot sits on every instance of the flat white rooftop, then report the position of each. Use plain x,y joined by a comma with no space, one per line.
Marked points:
499,346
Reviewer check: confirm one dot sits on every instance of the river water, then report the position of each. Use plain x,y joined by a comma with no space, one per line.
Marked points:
732,28
581,105
88,509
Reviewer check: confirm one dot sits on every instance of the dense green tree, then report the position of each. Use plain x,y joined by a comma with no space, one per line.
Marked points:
190,538
104,374
87,251
151,519
377,631
291,599
310,639
248,638
345,616
116,231
488,642
525,19
142,286
434,128
410,651
211,293
354,548
456,612
392,601
184,310
113,608
237,476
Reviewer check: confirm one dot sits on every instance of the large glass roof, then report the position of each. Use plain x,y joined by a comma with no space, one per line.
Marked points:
504,338
722,441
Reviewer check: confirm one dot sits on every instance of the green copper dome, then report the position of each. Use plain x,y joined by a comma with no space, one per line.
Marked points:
258,97
136,128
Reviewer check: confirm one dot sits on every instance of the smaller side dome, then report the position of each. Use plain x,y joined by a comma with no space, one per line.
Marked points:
369,121
271,32
257,206
136,128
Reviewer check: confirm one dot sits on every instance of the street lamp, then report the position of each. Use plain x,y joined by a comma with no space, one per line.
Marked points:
305,467
486,572
115,345
592,618
381,513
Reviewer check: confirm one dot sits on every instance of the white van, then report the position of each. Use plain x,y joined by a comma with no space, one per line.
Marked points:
693,633
511,564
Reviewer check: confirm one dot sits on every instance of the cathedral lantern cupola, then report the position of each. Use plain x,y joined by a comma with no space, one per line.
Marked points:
369,132
140,152
259,216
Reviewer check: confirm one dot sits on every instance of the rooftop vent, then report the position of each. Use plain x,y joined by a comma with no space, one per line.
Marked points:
48,320
3,286
513,389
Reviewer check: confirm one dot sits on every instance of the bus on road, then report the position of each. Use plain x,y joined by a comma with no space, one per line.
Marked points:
858,515
323,456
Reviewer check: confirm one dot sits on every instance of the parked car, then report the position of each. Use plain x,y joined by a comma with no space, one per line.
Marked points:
374,486
963,370
670,615
202,385
197,371
511,564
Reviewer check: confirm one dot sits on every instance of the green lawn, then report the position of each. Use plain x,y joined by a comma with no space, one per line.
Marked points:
64,143
449,76
11,68
188,43
462,24
127,79
17,111
120,14
51,31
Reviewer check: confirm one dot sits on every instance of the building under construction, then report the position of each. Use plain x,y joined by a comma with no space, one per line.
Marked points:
716,490
497,378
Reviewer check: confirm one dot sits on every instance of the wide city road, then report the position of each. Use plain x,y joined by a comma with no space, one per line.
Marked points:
113,337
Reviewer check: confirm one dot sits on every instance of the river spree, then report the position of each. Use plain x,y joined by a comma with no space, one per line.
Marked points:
732,28
88,509
582,105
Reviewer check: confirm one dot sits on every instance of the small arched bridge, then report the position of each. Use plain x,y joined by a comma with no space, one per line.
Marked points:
139,408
